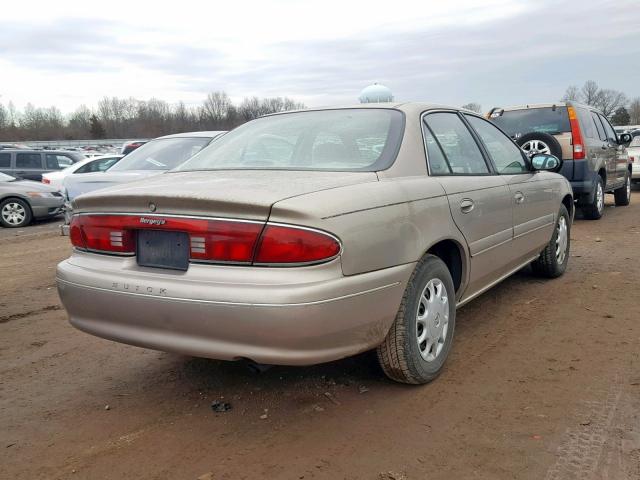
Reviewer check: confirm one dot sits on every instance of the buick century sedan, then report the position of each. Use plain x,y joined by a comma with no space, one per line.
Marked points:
309,236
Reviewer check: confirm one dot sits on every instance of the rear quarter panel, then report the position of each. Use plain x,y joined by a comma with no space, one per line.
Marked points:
380,224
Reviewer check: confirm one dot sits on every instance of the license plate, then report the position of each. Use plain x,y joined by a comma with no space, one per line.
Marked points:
163,249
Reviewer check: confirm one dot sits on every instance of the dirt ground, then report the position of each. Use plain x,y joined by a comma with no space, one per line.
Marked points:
543,383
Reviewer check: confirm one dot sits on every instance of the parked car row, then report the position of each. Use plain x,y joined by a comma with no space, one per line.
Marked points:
305,237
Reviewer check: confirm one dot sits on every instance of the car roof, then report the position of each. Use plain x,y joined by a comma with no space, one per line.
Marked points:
205,134
545,105
407,107
34,150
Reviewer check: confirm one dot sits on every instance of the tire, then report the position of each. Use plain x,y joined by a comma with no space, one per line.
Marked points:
623,194
553,260
15,213
539,142
401,357
595,209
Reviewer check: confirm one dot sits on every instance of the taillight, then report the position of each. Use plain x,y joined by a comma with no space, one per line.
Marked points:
633,159
290,245
211,240
46,180
576,135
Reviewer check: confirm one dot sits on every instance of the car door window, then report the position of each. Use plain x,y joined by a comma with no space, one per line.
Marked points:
57,161
5,160
505,154
599,127
437,162
29,160
458,145
587,125
609,131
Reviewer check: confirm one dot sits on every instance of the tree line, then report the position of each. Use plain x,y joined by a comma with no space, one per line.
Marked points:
115,117
612,103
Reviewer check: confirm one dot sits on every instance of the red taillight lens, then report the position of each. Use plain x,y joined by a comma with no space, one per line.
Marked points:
46,180
576,135
287,245
210,240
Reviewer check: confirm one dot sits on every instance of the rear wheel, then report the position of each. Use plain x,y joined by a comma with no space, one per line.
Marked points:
420,338
553,260
14,213
623,194
595,209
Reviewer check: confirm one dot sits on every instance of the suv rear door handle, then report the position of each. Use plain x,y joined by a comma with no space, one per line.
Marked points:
466,205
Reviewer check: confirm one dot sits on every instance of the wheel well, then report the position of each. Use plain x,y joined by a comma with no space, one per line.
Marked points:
450,253
568,202
603,173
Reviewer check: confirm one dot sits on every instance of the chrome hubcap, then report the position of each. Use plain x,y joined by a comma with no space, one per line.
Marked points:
13,213
599,198
432,319
562,240
536,146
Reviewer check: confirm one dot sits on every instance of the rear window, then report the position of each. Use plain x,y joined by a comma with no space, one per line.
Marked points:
547,120
332,140
161,154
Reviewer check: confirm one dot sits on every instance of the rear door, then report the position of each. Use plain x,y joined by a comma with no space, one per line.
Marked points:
479,200
533,200
29,165
607,153
615,151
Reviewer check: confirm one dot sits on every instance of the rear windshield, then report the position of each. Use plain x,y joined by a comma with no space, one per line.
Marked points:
337,140
547,120
161,154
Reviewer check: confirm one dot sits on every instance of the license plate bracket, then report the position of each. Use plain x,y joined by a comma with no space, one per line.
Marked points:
160,249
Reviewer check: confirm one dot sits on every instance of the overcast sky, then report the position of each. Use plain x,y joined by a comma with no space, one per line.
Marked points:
494,52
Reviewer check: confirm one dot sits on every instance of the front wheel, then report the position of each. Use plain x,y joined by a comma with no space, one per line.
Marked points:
553,260
15,213
623,194
420,338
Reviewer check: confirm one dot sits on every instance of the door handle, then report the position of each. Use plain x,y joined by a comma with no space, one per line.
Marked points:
519,197
466,205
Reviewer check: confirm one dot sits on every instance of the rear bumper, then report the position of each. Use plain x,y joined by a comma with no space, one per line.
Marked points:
295,316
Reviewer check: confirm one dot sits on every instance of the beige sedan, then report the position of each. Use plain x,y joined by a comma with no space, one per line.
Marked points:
309,236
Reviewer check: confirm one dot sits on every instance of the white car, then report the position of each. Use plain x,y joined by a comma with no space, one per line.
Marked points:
88,165
633,150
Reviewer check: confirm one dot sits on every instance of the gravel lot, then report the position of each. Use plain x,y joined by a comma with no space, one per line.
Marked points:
543,383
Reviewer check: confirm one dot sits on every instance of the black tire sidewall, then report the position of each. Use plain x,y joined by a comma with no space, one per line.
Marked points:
27,207
560,268
432,268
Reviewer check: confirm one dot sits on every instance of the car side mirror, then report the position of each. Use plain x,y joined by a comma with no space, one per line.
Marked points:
624,139
546,162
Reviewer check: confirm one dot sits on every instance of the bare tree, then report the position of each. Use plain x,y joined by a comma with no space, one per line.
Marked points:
571,94
608,101
473,106
590,92
215,108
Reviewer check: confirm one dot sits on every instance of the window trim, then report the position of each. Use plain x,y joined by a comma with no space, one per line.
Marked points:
596,117
526,160
604,119
423,124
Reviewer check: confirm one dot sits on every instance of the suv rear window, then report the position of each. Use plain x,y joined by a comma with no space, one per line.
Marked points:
546,119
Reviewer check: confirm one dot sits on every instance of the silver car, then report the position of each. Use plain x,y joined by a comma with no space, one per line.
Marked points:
309,236
22,201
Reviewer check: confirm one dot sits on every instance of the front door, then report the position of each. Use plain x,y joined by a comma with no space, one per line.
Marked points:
618,158
479,200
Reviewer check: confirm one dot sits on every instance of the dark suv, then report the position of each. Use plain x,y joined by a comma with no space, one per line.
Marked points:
31,164
595,157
